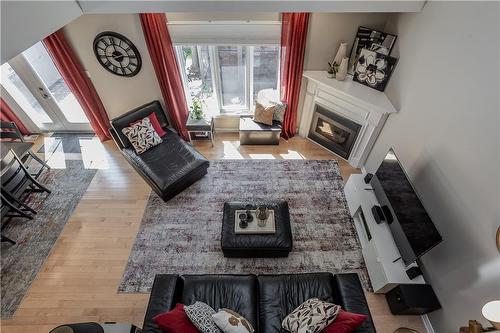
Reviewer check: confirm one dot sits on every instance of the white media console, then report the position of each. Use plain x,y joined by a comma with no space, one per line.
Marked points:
383,260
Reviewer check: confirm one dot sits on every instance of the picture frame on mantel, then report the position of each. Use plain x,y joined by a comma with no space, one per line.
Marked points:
371,39
374,69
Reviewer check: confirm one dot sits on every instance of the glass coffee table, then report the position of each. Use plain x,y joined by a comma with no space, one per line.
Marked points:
259,243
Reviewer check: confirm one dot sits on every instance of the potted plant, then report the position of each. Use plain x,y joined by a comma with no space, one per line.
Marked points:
332,69
196,110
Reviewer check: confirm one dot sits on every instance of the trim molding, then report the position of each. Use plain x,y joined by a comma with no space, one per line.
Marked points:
427,324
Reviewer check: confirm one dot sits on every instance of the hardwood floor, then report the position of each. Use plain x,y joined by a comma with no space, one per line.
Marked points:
79,280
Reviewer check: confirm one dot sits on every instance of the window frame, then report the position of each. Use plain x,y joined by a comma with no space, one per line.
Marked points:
249,106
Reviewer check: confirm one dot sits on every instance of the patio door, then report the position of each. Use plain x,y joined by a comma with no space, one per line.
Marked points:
34,83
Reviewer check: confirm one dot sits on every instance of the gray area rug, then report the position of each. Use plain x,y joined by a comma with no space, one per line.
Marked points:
182,236
35,238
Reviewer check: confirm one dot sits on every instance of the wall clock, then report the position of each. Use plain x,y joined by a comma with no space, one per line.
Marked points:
117,54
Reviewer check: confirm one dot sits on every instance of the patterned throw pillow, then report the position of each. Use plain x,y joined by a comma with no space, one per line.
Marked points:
231,322
142,135
279,112
200,315
312,316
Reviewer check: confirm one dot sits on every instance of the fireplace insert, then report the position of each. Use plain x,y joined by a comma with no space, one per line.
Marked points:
333,131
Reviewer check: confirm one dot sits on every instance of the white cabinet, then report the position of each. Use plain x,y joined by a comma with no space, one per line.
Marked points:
382,257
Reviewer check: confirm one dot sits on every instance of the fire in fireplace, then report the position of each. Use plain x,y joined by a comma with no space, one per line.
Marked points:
333,131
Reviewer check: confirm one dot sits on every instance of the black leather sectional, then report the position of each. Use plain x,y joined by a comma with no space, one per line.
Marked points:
169,167
264,299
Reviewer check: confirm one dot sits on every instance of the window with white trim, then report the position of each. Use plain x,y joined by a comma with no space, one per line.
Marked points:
228,78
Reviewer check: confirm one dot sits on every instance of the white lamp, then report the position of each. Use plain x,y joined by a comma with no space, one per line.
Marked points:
491,312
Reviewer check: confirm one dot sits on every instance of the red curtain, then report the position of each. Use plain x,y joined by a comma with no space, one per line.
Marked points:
167,72
78,82
293,45
6,114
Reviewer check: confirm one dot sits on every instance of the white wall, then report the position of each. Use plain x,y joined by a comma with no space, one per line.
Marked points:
23,23
118,94
446,134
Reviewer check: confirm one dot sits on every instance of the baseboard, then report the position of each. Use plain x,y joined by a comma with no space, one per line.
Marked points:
427,324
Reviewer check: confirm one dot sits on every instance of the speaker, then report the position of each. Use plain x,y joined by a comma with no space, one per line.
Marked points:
368,177
412,299
378,214
413,272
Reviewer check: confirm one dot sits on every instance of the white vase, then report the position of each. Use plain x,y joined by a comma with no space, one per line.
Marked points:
341,53
342,72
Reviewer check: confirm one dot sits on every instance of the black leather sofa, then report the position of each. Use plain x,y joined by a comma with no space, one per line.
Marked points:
169,167
264,300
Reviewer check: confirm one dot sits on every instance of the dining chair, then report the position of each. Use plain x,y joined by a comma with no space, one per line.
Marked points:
10,132
16,181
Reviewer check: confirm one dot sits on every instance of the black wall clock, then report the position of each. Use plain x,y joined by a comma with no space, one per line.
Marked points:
117,54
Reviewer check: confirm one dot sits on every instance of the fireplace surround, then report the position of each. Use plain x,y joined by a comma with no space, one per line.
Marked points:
345,117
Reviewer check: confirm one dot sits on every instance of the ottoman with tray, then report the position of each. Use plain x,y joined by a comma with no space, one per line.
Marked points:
273,240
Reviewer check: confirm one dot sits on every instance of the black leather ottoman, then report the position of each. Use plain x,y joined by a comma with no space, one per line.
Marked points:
257,246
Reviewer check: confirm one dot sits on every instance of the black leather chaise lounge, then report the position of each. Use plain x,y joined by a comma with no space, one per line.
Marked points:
265,300
169,167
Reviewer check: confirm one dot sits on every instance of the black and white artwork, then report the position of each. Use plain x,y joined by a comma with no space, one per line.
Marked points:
374,69
371,39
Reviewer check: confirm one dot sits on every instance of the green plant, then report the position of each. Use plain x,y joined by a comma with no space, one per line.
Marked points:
333,68
196,110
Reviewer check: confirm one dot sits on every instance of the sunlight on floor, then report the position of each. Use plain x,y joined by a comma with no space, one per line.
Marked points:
55,159
93,154
230,151
262,156
292,155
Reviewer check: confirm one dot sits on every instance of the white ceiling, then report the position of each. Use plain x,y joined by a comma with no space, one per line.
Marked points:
23,23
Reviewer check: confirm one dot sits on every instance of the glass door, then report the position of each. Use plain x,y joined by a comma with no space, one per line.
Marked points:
38,88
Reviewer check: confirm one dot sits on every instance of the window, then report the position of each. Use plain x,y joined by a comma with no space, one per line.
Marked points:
227,78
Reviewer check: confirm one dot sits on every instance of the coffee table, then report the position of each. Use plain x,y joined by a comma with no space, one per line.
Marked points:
274,245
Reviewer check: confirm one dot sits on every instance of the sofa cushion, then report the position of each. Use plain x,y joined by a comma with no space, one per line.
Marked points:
142,135
200,314
175,321
281,294
312,316
169,162
236,292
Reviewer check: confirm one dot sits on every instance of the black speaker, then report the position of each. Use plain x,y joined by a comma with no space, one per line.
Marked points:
368,177
378,214
412,299
413,272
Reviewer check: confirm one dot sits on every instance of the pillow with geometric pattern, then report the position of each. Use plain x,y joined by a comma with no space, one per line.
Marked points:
312,316
142,135
200,315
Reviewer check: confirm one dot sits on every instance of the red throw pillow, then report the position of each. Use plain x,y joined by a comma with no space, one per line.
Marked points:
345,322
175,321
155,123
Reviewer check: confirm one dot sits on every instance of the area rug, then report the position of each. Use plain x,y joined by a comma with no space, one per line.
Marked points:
182,236
35,238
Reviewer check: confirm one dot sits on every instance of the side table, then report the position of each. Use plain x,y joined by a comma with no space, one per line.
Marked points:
201,129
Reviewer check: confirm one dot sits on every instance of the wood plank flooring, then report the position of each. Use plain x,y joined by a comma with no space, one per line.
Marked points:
79,280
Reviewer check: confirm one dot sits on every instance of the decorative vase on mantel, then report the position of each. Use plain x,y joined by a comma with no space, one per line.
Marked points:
341,53
342,71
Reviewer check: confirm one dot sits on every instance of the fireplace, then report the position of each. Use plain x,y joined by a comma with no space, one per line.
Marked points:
333,131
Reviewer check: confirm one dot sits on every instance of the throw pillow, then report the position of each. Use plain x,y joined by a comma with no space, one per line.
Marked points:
175,321
279,112
312,316
263,115
200,315
231,322
142,135
155,122
345,322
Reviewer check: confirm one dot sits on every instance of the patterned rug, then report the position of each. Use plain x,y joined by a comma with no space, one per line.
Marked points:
182,236
35,238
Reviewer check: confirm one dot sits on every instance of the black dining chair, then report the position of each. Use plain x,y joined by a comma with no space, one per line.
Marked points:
10,132
16,181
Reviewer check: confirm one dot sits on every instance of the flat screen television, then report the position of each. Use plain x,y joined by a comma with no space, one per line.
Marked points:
412,228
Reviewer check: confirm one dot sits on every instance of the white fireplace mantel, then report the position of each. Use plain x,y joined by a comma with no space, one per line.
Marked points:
352,100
